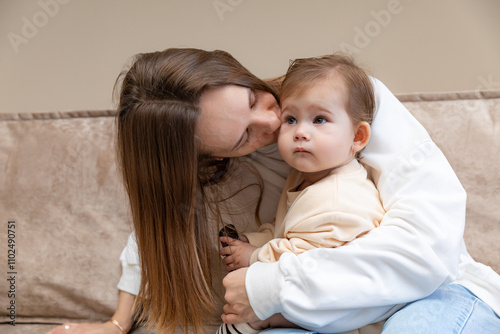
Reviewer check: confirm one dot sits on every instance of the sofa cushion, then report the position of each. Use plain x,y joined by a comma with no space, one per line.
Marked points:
60,185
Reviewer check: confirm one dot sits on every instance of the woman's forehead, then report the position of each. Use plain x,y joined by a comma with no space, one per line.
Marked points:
222,117
223,103
223,95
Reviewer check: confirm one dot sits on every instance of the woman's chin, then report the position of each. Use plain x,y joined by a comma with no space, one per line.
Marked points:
268,139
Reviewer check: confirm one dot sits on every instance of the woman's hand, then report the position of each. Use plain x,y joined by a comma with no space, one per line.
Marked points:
238,308
86,328
237,254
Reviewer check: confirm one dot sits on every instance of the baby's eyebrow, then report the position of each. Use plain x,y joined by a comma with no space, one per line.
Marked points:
320,106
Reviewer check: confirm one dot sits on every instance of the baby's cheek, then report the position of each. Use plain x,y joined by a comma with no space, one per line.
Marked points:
283,141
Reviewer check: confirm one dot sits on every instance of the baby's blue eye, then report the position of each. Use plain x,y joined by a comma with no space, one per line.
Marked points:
291,120
319,120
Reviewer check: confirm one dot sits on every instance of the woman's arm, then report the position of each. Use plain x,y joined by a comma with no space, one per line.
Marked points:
414,251
124,310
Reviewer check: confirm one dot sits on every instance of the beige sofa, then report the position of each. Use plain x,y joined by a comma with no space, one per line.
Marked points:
59,185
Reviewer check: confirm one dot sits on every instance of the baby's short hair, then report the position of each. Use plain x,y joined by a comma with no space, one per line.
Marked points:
303,72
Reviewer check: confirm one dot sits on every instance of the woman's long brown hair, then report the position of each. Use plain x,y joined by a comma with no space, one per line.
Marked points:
165,176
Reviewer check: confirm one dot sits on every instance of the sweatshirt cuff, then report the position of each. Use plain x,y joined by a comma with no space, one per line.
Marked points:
264,282
254,256
258,239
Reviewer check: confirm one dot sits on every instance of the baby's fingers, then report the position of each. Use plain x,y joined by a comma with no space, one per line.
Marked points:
228,260
229,241
226,251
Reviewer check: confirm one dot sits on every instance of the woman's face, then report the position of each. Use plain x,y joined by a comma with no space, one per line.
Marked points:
235,121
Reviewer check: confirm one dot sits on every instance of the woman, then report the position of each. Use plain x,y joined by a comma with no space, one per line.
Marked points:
182,114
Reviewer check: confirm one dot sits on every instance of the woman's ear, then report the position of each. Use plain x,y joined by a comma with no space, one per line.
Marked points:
362,132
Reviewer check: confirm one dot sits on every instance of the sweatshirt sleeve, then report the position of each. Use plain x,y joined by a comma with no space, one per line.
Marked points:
322,233
130,280
414,251
257,239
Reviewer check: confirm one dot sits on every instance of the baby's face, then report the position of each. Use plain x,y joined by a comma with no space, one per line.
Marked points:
316,132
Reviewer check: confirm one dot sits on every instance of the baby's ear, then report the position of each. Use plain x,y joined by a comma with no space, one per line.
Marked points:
362,132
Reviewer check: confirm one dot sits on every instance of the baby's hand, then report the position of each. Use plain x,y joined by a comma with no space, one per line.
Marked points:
236,254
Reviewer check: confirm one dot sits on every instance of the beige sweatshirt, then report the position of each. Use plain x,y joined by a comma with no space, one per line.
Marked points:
330,213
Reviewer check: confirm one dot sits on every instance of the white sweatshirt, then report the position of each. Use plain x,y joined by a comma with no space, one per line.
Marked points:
418,246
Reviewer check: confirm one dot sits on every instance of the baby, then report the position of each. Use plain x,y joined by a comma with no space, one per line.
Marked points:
327,106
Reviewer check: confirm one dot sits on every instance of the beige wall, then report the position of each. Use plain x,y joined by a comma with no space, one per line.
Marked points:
58,55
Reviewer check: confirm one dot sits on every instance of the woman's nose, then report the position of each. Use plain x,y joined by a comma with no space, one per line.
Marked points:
267,120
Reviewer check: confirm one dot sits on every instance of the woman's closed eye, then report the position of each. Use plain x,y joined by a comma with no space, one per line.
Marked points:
247,140
243,141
